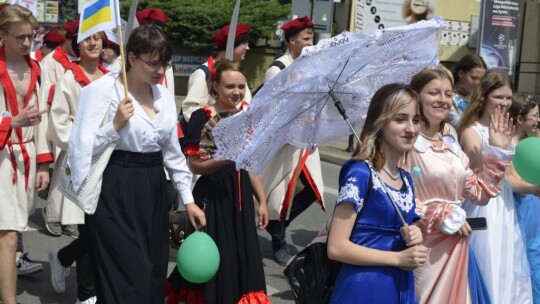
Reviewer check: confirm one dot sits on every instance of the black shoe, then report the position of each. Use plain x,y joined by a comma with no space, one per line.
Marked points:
282,257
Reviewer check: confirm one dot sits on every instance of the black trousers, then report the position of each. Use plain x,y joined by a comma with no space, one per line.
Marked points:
128,234
301,201
77,251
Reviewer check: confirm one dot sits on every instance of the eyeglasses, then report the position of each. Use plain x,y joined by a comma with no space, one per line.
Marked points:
156,65
22,38
533,116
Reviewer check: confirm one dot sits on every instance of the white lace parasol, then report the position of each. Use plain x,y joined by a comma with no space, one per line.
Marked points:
296,106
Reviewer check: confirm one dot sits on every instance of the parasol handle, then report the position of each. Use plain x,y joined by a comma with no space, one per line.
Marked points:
341,110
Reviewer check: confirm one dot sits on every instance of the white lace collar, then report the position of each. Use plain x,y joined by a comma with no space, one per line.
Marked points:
404,199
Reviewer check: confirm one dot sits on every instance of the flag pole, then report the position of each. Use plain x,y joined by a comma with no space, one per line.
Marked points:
124,59
122,52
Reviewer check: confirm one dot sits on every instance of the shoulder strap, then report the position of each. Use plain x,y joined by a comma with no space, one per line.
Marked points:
276,63
206,71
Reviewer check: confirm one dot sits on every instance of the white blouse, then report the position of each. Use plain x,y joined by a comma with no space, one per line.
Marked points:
140,134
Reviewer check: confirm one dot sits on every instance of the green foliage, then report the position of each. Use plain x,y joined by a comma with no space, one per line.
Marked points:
67,11
193,22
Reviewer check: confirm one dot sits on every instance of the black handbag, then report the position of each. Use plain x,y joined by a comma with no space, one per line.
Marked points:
311,274
179,224
179,227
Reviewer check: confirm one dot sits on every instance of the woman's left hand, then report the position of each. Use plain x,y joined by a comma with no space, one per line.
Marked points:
262,212
501,129
464,230
412,235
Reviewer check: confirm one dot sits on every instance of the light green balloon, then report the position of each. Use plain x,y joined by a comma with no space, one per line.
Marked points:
527,160
198,258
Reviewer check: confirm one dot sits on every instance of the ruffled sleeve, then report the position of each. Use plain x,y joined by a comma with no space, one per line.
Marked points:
482,186
353,183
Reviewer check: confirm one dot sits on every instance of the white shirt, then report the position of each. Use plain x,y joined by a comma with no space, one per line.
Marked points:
140,134
272,71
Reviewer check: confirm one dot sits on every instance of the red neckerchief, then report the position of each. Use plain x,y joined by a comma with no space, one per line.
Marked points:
163,80
12,105
211,61
38,55
80,76
62,58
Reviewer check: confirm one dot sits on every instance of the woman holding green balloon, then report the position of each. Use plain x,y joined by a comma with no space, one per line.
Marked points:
524,110
500,250
229,208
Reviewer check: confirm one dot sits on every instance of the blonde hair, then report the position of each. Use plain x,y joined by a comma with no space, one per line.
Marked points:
422,78
12,14
384,105
493,80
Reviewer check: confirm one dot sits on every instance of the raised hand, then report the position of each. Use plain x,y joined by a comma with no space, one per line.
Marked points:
501,129
123,114
29,116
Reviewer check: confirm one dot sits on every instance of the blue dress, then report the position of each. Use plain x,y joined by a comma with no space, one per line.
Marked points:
528,209
378,228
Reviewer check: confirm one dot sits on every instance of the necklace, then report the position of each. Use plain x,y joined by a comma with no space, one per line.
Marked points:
393,177
432,139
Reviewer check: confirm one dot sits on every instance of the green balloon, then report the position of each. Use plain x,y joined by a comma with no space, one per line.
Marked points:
198,258
527,160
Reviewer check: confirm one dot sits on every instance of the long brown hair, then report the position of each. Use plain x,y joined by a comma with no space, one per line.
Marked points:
384,105
467,63
493,80
422,78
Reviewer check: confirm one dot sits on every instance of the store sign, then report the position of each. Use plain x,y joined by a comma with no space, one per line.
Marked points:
51,11
31,5
498,33
185,63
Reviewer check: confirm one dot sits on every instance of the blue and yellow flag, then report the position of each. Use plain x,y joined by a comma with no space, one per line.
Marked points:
98,15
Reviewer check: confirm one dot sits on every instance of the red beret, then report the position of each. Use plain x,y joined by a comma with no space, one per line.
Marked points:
148,15
294,26
53,37
220,37
71,28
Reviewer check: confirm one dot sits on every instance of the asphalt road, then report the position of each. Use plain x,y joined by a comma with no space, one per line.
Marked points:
37,288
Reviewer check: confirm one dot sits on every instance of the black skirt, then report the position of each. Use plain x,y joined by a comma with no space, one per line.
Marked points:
128,234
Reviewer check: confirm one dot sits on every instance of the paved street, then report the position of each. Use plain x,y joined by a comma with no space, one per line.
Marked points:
36,289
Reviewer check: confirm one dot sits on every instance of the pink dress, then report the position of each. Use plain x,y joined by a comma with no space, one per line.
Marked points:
444,182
